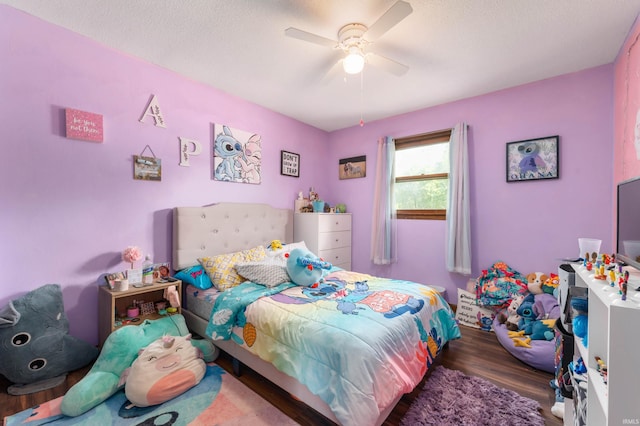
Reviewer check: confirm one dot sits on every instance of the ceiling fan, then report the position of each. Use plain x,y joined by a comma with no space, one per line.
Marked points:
354,40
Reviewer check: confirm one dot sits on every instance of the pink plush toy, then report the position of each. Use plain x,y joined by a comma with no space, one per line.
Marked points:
163,370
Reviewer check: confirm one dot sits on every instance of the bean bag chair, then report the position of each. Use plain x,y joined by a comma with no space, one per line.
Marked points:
538,353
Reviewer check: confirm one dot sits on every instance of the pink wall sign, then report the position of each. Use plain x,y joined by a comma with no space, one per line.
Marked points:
83,125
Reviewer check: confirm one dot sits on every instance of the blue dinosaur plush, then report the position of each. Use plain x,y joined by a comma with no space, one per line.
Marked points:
305,268
36,349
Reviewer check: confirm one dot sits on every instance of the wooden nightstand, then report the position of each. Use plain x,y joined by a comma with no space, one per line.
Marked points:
110,303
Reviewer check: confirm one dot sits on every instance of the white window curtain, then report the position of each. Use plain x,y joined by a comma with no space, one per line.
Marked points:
383,233
458,216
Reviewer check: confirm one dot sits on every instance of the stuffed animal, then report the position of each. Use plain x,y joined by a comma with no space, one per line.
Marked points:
163,370
551,285
304,268
535,281
275,245
580,321
539,313
118,353
36,349
511,318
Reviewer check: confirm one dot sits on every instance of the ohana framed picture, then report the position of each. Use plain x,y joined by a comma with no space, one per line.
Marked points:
533,159
289,164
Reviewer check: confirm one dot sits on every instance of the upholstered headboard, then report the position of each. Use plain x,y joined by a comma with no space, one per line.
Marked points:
225,228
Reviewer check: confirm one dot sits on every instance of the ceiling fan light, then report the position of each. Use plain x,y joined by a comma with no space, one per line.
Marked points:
353,63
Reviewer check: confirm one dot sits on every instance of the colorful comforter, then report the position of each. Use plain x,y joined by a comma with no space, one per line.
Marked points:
356,341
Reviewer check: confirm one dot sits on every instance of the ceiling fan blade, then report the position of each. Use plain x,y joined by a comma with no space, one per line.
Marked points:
396,13
386,64
311,38
333,72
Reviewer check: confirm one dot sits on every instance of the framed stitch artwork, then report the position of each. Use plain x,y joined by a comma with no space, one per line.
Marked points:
289,164
533,159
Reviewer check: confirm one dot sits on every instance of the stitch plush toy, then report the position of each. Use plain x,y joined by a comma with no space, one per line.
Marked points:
304,268
538,319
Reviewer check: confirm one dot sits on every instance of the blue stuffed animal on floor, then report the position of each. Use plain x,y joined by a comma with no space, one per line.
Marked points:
532,324
36,349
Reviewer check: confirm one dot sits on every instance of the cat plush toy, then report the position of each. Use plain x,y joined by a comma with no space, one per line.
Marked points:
163,370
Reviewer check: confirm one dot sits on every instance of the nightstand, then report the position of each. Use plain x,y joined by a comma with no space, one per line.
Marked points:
111,303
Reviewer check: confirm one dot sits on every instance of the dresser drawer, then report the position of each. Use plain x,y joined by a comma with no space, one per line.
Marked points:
334,222
336,256
330,240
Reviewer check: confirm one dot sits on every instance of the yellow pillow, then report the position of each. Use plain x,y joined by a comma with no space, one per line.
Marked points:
222,268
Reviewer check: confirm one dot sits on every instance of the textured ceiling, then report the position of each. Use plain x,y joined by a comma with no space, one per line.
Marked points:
454,48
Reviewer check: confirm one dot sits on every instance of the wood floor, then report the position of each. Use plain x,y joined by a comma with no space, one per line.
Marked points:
477,353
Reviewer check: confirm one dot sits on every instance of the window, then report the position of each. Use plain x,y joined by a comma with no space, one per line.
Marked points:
422,175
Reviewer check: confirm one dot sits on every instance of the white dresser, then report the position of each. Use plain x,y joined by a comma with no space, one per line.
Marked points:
326,234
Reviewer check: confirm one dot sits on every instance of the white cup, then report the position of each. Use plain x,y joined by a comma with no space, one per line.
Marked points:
589,245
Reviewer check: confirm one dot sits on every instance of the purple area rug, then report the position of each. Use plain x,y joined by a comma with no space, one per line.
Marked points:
452,398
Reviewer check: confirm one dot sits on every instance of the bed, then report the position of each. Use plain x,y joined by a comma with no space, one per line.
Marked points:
297,333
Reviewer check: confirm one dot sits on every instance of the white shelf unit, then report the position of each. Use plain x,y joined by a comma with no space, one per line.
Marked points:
612,336
326,234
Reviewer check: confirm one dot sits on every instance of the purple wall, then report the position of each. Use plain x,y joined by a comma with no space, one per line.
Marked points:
70,207
529,225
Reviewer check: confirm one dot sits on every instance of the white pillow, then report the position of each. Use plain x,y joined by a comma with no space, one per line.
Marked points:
286,248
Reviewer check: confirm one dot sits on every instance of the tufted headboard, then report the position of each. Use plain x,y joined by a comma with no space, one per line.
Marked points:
225,228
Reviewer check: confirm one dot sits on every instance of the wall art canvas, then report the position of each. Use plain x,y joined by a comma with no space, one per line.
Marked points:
533,159
352,167
237,155
82,125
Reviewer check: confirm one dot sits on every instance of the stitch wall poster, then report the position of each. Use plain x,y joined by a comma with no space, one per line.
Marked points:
237,155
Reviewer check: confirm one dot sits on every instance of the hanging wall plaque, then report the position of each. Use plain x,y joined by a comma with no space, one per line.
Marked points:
147,168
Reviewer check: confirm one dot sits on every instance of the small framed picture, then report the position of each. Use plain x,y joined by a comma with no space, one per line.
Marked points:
289,164
161,272
352,167
533,159
147,168
111,278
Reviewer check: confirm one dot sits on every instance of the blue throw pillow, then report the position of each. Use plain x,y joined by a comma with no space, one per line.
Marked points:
196,276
